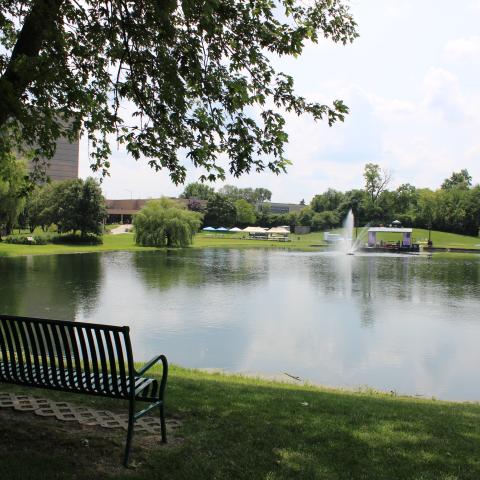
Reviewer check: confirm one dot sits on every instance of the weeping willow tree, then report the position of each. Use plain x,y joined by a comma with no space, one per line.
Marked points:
163,223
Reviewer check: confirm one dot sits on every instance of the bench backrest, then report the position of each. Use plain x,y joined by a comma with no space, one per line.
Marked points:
70,356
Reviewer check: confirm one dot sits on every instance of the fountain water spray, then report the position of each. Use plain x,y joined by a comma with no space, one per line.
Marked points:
347,228
344,241
348,244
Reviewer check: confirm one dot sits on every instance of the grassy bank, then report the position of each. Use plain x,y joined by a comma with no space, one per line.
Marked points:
126,242
439,239
307,242
110,243
241,428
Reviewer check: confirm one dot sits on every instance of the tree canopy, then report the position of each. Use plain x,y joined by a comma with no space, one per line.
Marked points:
187,76
455,207
163,223
72,205
376,180
461,179
329,200
221,212
245,212
197,190
251,195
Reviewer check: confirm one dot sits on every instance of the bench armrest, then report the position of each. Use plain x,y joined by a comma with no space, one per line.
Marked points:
148,365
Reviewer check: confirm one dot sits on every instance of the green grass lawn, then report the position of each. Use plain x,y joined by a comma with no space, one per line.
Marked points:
241,240
306,242
439,239
110,242
241,428
125,241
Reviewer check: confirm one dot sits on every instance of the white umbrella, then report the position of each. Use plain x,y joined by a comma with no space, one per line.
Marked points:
235,229
255,230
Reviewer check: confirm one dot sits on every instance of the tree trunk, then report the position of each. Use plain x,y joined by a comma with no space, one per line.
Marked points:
22,66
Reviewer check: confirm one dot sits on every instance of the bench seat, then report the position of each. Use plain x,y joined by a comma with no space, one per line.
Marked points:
146,389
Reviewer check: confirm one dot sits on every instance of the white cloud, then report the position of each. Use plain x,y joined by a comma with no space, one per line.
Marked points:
475,6
398,10
443,95
460,48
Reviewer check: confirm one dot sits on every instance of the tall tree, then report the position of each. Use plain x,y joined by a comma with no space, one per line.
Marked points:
36,208
376,180
72,205
262,195
252,196
327,201
407,198
190,71
91,209
324,220
221,212
197,190
245,212
461,179
12,186
230,191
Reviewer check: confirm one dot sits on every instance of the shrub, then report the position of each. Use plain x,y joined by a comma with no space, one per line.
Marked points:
88,239
26,240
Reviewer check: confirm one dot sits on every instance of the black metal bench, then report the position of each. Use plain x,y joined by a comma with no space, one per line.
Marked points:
82,358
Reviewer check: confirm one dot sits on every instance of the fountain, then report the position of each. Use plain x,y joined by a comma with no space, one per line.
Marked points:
348,243
345,242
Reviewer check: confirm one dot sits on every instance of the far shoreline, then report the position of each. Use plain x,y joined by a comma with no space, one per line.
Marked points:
443,244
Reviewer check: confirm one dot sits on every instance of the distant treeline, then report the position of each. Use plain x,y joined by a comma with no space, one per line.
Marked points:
454,207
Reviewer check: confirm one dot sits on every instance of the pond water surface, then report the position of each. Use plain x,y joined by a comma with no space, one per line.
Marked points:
395,323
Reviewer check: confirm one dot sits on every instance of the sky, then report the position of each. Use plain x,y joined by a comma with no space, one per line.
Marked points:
411,81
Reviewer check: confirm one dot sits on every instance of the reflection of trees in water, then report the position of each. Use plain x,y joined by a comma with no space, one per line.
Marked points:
402,278
168,269
407,279
53,286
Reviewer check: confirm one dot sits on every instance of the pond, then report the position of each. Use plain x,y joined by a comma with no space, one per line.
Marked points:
408,324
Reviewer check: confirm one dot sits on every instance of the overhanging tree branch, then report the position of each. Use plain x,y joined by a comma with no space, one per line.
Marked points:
197,71
22,67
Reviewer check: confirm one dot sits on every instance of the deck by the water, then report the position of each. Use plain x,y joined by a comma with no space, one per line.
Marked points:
391,248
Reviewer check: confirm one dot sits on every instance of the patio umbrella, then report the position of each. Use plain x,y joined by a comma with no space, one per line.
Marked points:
208,229
235,229
279,230
254,230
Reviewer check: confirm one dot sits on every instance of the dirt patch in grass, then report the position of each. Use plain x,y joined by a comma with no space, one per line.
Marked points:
49,448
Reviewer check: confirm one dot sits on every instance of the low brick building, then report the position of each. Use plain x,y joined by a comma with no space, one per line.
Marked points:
280,208
122,211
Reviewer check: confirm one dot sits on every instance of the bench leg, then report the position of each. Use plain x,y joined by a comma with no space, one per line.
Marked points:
131,423
162,424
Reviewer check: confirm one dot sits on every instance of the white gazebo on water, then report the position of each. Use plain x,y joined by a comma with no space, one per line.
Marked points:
406,240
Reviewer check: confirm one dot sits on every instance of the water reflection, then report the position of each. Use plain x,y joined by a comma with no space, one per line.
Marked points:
53,286
193,268
408,324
